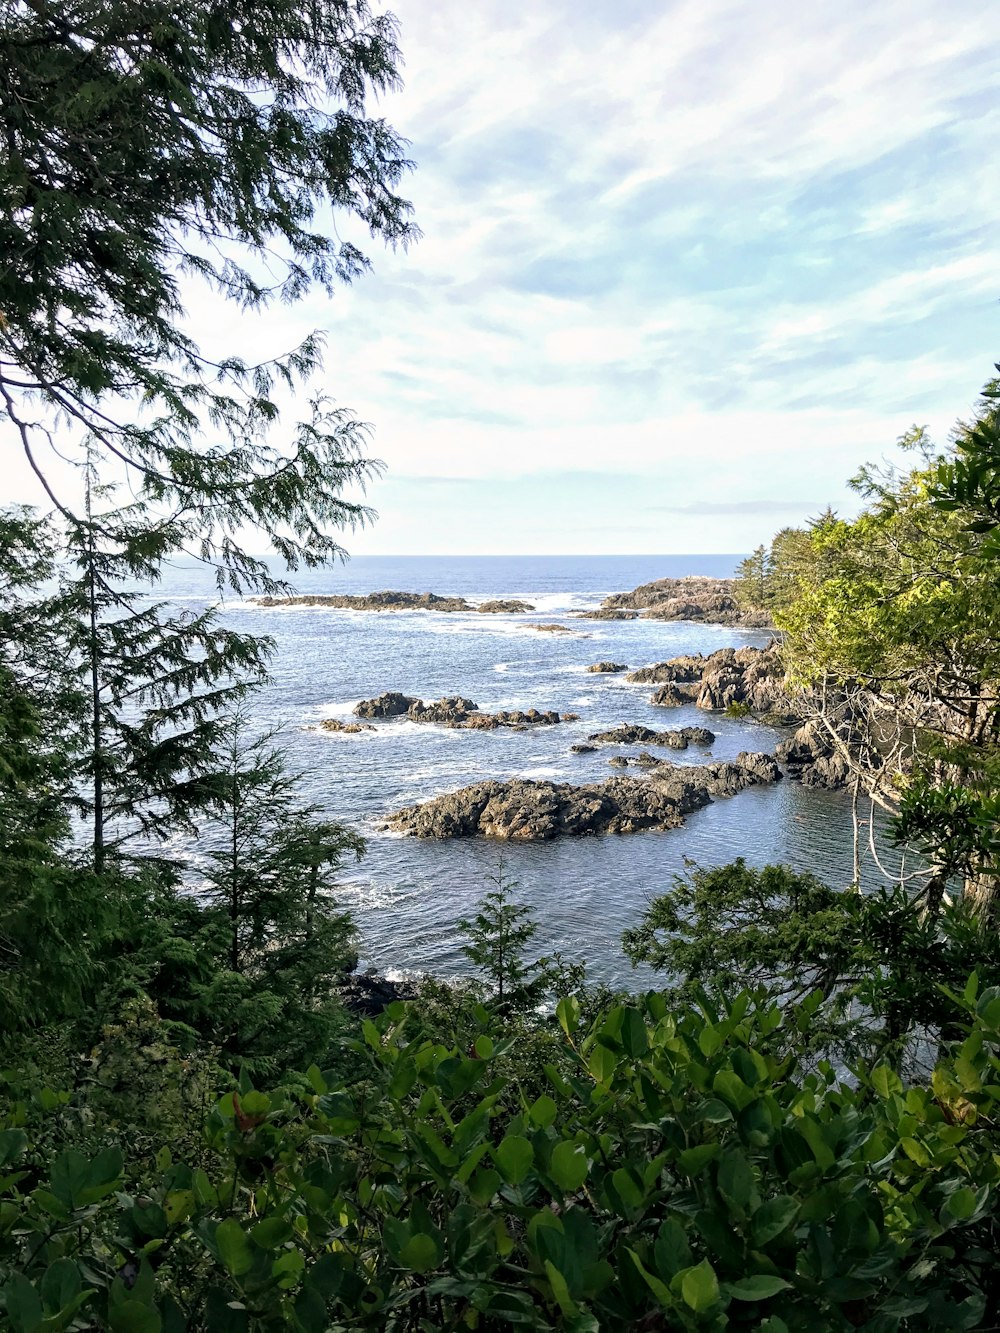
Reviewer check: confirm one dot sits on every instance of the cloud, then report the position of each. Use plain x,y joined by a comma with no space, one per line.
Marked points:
731,249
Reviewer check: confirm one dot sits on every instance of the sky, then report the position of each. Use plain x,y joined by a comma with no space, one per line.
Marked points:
684,267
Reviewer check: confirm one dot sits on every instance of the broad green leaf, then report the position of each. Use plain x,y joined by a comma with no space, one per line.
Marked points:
756,1288
234,1247
60,1285
271,1232
773,1217
543,1111
633,1033
693,1160
133,1317
700,1286
560,1290
420,1253
514,1156
603,1064
568,1014
568,1165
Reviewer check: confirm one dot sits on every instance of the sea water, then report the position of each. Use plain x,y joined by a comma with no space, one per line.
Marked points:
408,894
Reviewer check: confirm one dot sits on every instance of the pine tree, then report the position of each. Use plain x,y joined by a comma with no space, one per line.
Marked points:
499,935
280,943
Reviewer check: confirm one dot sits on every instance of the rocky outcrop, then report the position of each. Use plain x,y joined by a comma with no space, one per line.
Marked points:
367,994
390,704
506,608
451,711
631,733
747,677
811,759
527,810
606,613
695,597
554,629
606,668
333,724
582,748
372,601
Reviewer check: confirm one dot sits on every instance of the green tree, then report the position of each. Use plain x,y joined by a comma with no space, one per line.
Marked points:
147,147
498,939
269,928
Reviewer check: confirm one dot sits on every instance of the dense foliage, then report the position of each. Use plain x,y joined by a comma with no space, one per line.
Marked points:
677,1171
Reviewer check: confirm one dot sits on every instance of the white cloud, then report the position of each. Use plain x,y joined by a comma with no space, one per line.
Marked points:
727,244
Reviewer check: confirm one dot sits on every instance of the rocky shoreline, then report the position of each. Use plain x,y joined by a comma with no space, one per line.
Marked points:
528,810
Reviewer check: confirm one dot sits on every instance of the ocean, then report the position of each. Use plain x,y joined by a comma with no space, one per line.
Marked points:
408,894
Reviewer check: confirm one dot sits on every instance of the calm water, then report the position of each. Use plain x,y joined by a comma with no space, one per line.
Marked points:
407,894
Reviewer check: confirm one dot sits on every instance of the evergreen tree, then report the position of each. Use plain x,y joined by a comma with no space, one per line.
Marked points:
498,939
149,143
264,914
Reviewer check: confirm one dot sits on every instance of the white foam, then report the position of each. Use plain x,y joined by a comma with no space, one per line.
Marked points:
543,771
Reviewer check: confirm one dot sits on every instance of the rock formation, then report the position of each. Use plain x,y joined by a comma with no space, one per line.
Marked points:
749,677
528,810
554,629
695,597
501,607
606,613
811,759
332,724
606,668
451,711
631,733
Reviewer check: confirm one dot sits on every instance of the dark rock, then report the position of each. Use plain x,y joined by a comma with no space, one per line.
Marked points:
631,733
569,717
450,709
390,704
618,761
695,597
527,810
747,677
582,749
606,613
811,759
673,696
332,724
501,607
367,994
554,629
607,667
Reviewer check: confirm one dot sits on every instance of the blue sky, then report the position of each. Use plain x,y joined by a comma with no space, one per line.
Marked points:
685,266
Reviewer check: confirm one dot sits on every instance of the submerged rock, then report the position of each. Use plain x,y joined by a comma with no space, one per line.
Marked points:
606,668
554,629
527,810
333,724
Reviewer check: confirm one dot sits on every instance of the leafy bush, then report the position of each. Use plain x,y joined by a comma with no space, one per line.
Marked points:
679,1174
